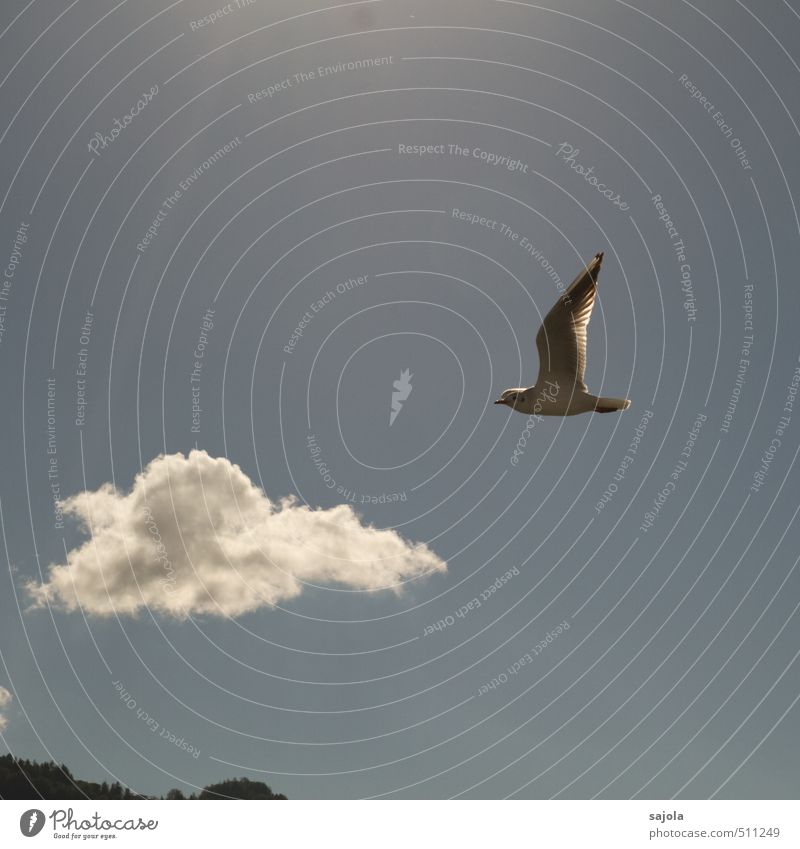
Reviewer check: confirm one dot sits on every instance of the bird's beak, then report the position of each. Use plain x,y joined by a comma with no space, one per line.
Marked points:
499,401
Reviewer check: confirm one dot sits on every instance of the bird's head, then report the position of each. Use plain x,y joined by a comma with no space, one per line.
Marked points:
512,397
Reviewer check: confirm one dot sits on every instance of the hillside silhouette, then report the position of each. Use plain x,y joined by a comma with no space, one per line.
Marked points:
24,779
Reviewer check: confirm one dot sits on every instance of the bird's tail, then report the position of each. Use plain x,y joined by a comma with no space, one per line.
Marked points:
611,405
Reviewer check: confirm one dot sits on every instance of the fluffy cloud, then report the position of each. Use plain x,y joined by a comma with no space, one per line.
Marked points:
196,535
5,701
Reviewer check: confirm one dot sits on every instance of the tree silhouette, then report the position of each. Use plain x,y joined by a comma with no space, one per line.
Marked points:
25,779
239,788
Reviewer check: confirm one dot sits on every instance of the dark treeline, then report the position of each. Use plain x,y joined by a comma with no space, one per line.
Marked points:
24,779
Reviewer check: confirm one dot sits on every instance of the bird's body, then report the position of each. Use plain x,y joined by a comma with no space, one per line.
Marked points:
561,341
551,401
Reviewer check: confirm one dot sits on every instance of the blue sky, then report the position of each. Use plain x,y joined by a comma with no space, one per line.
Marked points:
231,230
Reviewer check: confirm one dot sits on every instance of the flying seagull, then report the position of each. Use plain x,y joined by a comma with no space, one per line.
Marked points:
561,341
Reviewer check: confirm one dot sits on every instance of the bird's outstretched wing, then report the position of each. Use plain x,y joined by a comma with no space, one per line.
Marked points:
561,340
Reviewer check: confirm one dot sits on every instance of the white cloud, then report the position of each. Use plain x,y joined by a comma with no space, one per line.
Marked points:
196,535
5,701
